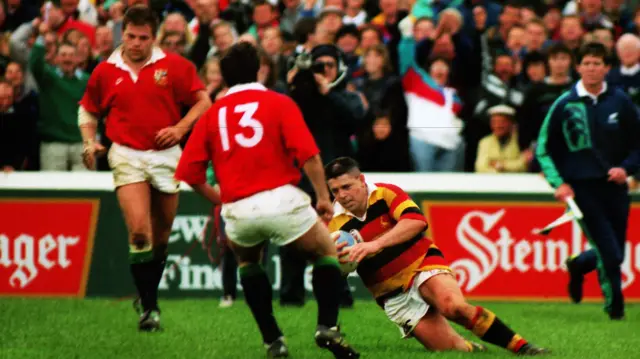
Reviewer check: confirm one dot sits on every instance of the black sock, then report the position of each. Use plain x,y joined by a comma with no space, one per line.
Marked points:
143,272
488,327
327,281
259,297
158,265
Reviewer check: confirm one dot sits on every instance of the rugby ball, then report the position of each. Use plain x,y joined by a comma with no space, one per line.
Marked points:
351,239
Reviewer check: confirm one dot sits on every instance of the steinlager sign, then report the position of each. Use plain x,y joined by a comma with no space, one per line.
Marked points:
495,253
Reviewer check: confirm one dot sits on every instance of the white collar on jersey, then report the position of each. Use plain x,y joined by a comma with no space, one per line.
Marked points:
117,60
338,209
116,57
244,87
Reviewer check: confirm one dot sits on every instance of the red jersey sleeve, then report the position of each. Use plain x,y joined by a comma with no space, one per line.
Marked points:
401,206
297,137
91,99
187,83
192,168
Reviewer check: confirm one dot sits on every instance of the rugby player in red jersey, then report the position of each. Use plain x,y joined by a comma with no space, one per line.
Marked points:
253,136
404,270
140,90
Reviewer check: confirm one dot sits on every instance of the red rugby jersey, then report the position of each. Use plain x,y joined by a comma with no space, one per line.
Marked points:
253,136
136,107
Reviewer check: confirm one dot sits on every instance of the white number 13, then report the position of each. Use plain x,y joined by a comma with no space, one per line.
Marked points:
247,120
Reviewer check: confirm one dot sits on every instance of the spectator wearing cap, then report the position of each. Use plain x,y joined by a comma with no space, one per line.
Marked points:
499,87
333,115
627,75
329,23
499,151
354,14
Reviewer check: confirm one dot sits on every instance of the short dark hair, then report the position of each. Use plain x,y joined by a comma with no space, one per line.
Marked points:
559,48
594,49
534,57
240,64
341,166
140,15
303,28
256,3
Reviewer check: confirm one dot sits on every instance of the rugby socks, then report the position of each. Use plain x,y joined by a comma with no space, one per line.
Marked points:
159,262
327,280
143,270
259,297
488,327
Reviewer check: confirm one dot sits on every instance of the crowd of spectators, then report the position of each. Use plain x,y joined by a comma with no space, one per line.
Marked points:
426,86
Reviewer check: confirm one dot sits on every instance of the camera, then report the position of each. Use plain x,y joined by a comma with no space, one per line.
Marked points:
304,61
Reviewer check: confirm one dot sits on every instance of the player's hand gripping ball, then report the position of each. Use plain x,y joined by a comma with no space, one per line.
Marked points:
351,239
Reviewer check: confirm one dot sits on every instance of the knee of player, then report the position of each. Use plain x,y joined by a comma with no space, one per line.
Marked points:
140,239
452,305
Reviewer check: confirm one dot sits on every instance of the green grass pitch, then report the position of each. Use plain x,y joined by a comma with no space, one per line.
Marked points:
104,328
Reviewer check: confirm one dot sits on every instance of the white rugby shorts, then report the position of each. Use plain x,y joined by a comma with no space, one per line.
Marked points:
156,167
406,309
280,215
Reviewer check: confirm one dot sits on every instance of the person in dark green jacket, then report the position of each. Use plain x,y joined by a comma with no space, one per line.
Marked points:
61,88
588,145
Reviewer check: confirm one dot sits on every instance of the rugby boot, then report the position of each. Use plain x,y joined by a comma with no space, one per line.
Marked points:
149,321
476,347
332,340
531,350
576,279
277,349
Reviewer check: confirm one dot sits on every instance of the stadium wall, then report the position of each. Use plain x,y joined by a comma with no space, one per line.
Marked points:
62,234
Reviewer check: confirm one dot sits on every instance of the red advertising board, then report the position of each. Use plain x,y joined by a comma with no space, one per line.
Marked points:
46,246
496,255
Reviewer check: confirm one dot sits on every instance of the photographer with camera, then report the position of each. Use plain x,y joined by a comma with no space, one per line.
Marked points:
317,83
